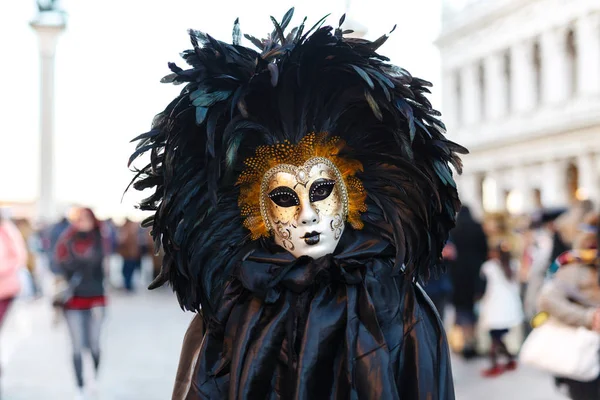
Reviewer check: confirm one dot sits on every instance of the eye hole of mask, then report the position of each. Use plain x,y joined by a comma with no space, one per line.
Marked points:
321,189
283,196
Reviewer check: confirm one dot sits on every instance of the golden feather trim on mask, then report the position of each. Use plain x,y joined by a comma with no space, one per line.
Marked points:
311,146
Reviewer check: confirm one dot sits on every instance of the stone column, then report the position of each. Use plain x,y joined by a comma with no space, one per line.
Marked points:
554,184
587,31
496,90
523,185
588,177
555,71
48,26
529,199
523,90
450,105
471,95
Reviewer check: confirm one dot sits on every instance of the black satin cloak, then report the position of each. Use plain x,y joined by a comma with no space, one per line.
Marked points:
345,326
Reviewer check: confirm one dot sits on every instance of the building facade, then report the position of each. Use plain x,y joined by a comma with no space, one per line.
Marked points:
521,90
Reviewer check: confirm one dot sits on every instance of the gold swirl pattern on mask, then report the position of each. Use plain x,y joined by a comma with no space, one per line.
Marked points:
313,147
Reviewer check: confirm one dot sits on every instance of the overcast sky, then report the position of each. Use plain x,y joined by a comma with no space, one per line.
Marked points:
108,66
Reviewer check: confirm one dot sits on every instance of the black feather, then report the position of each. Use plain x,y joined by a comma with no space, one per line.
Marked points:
374,106
274,71
278,31
287,18
364,76
255,41
236,99
314,27
147,135
236,34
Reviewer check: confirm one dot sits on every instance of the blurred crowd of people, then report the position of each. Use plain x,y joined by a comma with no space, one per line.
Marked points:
495,284
76,253
499,284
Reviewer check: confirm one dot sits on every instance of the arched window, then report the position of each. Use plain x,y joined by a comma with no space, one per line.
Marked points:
507,79
571,53
537,71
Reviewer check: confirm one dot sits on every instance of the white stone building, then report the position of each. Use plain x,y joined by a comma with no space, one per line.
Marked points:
521,90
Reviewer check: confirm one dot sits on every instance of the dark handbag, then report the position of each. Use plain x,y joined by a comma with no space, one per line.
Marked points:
64,294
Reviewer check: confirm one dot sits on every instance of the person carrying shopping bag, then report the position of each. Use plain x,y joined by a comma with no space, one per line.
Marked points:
571,300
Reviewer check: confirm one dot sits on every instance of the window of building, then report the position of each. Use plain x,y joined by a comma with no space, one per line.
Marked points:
571,52
506,198
537,71
480,187
482,89
572,182
458,98
515,202
537,198
490,195
507,80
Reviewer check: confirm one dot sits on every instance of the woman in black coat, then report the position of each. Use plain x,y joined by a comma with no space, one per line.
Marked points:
471,252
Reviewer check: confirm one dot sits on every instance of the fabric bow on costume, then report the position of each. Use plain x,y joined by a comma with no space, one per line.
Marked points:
309,327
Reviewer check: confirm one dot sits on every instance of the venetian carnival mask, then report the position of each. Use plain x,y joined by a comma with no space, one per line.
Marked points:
302,195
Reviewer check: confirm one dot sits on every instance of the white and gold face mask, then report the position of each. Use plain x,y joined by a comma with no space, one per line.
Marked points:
302,195
305,207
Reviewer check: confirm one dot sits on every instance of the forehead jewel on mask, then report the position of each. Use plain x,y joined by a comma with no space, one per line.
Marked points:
254,179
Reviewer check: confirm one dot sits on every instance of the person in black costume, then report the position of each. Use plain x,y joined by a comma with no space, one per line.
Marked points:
471,252
299,193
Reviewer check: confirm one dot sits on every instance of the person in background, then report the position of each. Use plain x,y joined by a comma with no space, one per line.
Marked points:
527,239
79,254
49,235
567,224
112,233
50,239
130,248
157,258
547,246
500,308
572,297
28,234
585,245
13,256
471,246
439,287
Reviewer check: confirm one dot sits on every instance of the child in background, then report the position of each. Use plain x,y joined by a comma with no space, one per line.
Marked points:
501,307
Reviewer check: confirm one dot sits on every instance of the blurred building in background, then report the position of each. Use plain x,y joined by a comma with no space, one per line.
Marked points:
521,90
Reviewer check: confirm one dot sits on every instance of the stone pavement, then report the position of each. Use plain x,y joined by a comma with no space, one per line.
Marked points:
141,343
522,384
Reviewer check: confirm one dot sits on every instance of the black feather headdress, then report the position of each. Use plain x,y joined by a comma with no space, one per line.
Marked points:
236,99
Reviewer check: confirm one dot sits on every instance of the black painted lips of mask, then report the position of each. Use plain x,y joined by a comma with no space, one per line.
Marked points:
312,238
